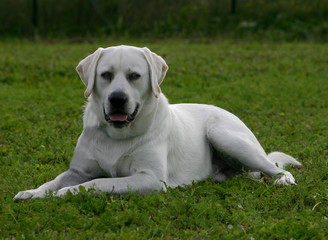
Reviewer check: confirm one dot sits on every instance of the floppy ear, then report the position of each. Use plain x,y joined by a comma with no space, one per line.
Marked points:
157,67
87,70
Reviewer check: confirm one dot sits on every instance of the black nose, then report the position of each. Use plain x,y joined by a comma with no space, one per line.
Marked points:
118,99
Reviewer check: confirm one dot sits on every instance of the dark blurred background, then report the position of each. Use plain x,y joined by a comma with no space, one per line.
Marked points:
277,19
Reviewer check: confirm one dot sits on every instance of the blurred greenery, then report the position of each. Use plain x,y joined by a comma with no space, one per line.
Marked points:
279,19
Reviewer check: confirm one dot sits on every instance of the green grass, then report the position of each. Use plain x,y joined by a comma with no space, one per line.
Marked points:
278,89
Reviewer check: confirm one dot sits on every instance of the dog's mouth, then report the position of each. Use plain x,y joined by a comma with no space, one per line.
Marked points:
120,119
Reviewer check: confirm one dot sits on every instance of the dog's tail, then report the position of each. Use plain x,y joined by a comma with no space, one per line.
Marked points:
282,159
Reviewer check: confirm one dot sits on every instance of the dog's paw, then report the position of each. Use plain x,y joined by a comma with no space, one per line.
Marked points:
33,193
62,192
285,178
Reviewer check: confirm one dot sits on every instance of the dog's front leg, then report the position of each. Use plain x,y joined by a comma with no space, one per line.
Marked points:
142,183
67,178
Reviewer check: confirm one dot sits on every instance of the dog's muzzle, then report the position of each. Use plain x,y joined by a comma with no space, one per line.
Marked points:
120,119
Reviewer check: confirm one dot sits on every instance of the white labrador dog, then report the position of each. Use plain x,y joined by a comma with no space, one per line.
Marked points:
133,140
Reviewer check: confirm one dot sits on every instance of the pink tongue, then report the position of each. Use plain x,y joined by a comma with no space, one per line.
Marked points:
118,117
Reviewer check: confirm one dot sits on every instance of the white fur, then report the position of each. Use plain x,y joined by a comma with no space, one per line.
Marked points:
172,144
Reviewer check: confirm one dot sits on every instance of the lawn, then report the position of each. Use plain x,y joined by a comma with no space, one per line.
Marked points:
280,90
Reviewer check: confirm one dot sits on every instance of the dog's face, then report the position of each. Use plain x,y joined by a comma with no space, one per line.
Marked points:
122,80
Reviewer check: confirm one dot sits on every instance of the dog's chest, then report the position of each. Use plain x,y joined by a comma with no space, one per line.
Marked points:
115,157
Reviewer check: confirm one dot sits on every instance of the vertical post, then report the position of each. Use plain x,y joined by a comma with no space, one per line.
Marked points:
233,6
35,18
35,13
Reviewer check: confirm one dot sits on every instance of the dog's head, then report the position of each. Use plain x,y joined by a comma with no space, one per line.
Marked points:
122,79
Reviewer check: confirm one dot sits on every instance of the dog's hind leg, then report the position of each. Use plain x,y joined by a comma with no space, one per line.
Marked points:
241,147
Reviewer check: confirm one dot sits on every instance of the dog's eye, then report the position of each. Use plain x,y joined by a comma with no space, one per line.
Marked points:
107,75
133,76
